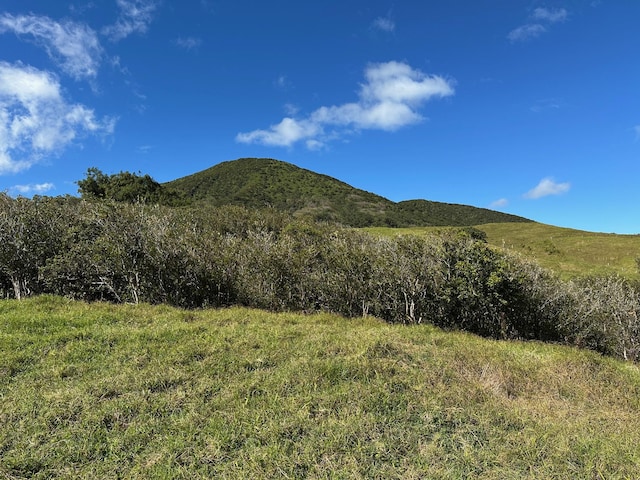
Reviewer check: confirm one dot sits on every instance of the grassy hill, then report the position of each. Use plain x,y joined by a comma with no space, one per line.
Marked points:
259,182
568,252
103,391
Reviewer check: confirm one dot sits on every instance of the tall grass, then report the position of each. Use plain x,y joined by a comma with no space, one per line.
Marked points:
135,391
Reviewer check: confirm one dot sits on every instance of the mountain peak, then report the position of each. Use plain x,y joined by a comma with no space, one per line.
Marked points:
267,182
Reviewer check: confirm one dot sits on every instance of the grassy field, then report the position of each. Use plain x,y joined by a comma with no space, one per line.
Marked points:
568,252
103,391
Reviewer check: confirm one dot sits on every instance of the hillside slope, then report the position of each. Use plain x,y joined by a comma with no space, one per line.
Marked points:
103,391
260,182
568,252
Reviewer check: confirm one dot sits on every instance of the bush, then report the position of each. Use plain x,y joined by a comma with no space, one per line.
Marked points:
605,316
196,258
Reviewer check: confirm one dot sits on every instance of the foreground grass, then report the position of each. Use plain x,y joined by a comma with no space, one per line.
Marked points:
568,252
102,391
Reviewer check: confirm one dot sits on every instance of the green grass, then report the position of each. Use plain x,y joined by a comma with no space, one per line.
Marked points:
103,391
568,252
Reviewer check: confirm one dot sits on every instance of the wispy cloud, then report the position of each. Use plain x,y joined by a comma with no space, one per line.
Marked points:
188,43
500,203
546,187
282,82
32,189
541,18
35,119
386,24
73,46
545,105
389,100
550,15
526,32
135,17
144,149
290,109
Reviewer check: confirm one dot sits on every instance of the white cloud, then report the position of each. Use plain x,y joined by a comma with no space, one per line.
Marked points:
35,119
500,203
526,32
385,24
550,15
73,46
36,189
284,134
389,100
540,17
546,187
135,17
189,43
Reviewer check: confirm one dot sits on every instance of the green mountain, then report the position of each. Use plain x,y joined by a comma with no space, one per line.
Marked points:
261,182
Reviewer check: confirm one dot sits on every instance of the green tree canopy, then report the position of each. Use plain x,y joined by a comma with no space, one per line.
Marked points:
126,187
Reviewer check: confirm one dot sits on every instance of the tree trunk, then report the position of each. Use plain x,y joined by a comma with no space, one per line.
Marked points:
19,287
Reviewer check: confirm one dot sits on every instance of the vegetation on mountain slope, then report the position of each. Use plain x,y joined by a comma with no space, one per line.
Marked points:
425,212
127,187
260,182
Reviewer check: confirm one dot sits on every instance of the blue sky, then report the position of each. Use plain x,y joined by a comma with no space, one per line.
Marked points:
523,106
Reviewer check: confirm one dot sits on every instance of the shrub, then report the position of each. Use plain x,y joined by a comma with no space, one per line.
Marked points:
195,258
605,316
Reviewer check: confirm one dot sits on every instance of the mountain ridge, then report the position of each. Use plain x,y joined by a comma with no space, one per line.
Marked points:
267,182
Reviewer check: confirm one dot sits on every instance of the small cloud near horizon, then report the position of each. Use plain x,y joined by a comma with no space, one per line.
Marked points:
500,203
32,189
547,187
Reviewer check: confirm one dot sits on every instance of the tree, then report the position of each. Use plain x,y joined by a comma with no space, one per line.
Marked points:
126,187
30,233
94,185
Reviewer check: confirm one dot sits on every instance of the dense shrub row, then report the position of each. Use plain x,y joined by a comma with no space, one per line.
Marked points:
232,256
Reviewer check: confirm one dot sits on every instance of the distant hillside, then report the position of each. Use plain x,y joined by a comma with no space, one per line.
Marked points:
427,213
260,182
569,253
